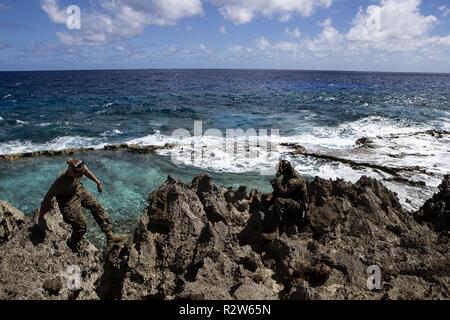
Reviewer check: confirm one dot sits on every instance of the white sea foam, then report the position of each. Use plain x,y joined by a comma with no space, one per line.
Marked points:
21,122
60,143
1,119
7,96
111,133
396,146
345,135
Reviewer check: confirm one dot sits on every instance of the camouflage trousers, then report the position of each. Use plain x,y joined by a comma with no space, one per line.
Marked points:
284,212
71,210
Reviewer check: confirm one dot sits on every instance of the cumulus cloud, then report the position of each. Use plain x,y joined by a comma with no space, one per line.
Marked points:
244,11
262,43
204,48
121,18
236,48
392,25
223,29
396,27
53,11
328,39
294,33
287,46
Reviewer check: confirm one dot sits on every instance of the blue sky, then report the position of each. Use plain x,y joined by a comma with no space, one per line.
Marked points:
377,35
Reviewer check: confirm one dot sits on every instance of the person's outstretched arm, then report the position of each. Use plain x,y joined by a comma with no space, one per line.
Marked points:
47,202
88,173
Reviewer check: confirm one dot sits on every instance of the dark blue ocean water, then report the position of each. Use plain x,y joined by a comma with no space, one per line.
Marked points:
54,110
117,105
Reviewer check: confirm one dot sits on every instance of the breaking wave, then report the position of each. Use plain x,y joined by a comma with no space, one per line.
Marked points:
398,143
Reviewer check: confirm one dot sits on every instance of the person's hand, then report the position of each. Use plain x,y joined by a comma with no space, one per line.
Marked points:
41,224
99,188
253,193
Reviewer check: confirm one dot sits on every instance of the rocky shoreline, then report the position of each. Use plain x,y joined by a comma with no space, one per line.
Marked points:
134,148
198,241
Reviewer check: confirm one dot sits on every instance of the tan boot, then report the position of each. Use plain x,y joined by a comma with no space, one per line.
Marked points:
112,238
271,236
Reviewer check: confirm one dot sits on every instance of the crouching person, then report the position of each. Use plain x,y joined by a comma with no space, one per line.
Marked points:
289,201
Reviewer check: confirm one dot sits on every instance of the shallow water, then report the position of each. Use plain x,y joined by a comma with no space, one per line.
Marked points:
128,179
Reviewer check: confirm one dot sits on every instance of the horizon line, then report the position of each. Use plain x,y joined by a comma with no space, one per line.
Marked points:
230,69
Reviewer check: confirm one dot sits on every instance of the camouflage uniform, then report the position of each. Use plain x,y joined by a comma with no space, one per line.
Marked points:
71,197
290,201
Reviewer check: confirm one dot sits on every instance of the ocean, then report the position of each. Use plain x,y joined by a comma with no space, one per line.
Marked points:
323,111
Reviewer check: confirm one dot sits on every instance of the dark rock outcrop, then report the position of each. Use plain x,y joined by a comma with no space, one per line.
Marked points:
436,211
186,246
133,148
34,265
11,220
193,243
199,241
365,143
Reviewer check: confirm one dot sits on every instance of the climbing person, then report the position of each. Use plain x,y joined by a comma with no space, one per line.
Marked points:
288,203
71,196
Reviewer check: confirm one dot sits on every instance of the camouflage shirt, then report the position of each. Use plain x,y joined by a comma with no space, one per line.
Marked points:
291,187
64,185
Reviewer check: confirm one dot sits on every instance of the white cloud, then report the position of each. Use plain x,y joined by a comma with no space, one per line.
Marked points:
386,30
285,17
121,18
328,39
392,25
294,33
55,14
204,48
262,43
287,46
445,11
88,39
392,32
236,48
244,11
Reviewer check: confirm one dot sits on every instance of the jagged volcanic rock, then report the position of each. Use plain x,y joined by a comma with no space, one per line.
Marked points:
192,243
34,266
199,241
11,219
436,211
